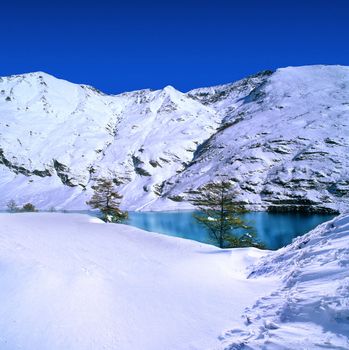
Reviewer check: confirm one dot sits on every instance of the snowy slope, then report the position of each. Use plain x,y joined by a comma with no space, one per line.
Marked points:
311,308
285,145
59,137
281,137
71,282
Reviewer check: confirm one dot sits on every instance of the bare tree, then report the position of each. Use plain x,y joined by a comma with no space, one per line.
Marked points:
12,206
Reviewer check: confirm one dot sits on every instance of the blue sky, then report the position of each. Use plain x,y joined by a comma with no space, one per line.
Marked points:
120,46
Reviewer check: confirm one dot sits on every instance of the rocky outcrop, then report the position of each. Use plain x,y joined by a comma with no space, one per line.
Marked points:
19,169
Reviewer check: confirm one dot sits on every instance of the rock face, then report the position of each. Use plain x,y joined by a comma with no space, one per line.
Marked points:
281,137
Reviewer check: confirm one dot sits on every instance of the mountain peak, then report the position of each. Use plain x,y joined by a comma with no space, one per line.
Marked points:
170,90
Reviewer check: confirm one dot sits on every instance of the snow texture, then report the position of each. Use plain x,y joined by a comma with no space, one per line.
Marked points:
72,282
310,310
281,137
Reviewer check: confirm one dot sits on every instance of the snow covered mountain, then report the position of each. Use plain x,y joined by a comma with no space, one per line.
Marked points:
282,137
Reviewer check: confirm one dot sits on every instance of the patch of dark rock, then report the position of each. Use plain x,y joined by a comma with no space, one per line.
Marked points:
154,163
176,198
306,209
330,141
164,160
340,189
158,188
17,169
63,173
227,125
142,172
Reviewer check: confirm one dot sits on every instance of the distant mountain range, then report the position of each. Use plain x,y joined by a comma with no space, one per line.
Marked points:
282,137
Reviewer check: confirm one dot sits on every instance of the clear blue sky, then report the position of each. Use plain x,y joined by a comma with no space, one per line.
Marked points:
120,46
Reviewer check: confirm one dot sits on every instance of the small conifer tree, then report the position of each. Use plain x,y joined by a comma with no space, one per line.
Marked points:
221,215
107,200
28,207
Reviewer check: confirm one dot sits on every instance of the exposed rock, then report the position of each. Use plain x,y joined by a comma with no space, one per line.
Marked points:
281,137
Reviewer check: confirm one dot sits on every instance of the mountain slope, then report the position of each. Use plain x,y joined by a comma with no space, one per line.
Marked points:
281,137
55,133
285,145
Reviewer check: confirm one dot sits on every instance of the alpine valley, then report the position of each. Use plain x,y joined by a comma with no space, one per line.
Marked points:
281,137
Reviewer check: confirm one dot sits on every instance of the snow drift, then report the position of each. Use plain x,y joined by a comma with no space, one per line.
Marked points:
310,310
69,281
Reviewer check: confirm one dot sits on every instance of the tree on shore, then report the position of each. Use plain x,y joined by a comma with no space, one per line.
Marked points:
107,200
28,207
12,206
221,215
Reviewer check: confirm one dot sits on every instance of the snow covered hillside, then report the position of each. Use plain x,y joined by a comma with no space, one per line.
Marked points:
282,137
69,281
72,282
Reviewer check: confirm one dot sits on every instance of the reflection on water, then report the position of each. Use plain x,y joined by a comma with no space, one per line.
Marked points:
275,230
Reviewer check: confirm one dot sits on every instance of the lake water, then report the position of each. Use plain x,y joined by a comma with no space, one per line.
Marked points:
275,230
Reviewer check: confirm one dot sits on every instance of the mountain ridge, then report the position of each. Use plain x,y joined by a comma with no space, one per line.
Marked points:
57,138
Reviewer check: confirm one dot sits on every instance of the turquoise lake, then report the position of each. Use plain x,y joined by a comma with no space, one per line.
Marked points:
275,230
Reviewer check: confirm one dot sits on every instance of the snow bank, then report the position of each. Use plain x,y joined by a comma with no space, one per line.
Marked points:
69,281
310,310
